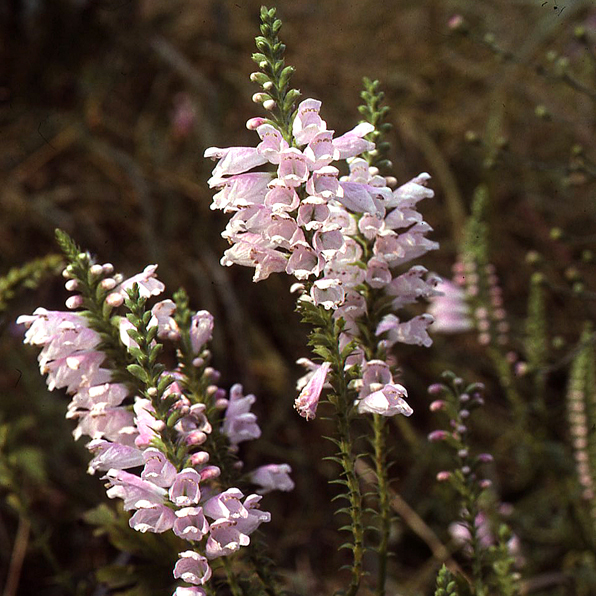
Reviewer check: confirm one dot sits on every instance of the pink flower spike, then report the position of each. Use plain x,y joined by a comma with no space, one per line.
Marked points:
388,401
308,400
192,568
185,490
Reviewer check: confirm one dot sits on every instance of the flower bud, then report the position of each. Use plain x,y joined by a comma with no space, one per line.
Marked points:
221,404
108,268
437,435
269,104
464,414
209,472
74,302
71,285
485,484
254,123
437,405
436,389
484,458
463,453
109,283
152,392
196,437
114,299
96,270
198,362
465,470
443,476
199,458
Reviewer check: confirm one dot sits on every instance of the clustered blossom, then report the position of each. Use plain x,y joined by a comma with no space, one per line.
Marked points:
304,218
123,427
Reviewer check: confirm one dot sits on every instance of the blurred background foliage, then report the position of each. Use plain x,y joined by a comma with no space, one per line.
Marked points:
106,107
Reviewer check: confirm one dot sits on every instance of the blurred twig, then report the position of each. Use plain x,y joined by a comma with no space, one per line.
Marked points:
18,556
440,552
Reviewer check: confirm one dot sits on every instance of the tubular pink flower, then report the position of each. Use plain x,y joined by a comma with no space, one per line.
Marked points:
241,191
233,160
158,469
190,523
303,262
201,330
133,490
293,169
272,143
328,293
308,400
185,490
240,424
226,505
388,401
224,539
281,198
150,517
113,456
412,332
192,568
272,477
147,281
320,151
352,142
307,123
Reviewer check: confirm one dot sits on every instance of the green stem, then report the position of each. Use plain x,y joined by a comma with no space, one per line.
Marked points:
380,427
355,498
343,407
232,581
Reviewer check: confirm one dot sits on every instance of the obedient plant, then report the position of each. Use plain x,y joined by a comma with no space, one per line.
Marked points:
165,439
312,204
491,556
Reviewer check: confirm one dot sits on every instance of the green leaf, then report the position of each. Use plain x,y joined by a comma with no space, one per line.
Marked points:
137,371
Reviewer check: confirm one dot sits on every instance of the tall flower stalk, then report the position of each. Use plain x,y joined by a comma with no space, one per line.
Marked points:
177,424
315,206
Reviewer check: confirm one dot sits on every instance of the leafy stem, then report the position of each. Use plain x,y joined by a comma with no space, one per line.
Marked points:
274,76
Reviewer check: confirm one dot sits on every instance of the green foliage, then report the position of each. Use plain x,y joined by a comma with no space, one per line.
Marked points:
446,586
536,340
324,340
28,276
374,112
148,558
